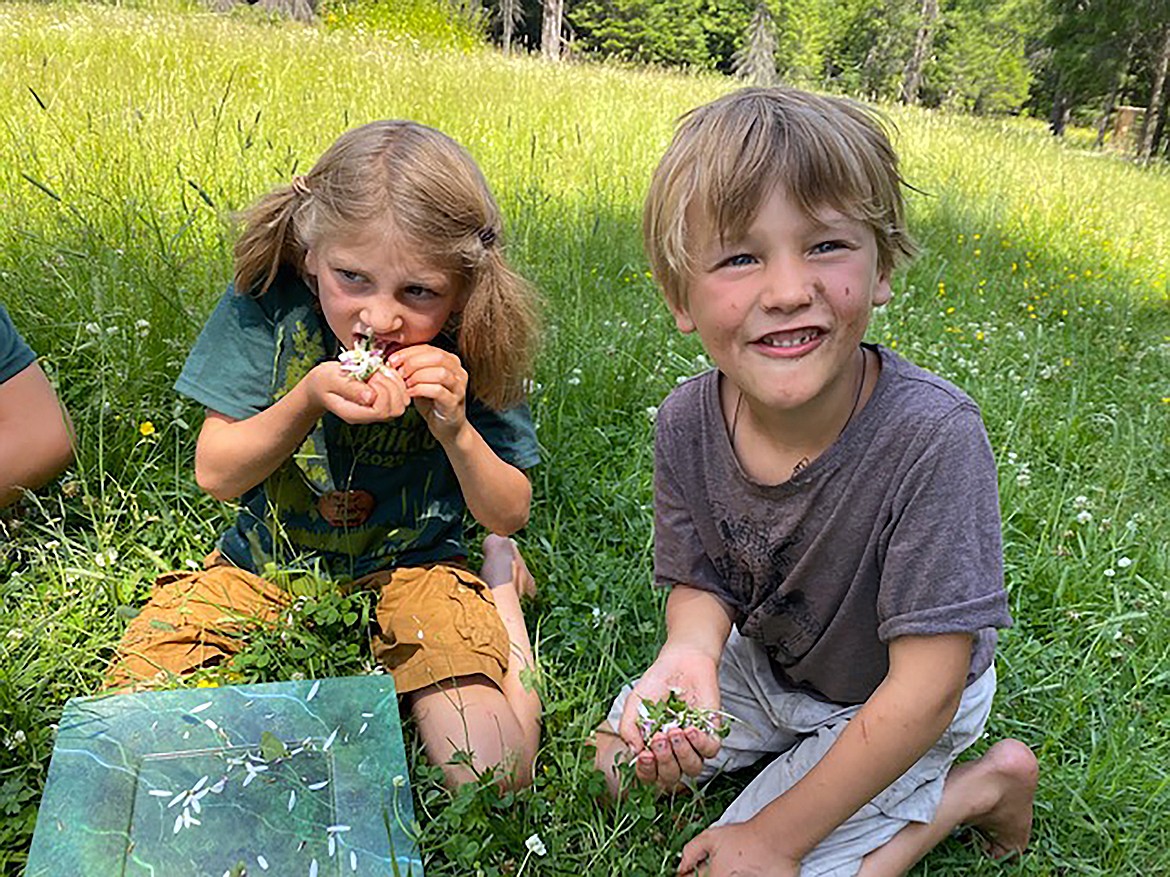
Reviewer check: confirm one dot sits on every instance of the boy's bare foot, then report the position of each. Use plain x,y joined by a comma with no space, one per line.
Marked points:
503,563
1009,772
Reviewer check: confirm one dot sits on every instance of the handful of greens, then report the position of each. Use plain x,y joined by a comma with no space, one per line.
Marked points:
674,712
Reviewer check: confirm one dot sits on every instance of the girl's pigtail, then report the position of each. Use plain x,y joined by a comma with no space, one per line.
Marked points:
499,329
268,238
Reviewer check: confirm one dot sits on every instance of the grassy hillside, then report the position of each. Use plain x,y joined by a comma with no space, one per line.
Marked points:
130,135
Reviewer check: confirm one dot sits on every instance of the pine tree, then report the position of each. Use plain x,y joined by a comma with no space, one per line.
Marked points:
756,61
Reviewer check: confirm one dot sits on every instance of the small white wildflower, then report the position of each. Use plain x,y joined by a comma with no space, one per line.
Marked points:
1080,502
297,676
1024,478
1110,573
535,845
574,380
363,361
15,634
143,327
399,781
1083,517
652,413
14,739
1124,562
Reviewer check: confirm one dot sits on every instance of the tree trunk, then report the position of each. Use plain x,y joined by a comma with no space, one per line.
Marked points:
1154,113
1060,113
1114,92
509,13
550,29
912,78
1160,133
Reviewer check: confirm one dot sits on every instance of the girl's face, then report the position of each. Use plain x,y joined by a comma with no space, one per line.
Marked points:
376,286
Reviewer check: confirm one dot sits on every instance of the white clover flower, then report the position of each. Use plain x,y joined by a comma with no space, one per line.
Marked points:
1080,502
535,845
1084,517
1110,573
363,362
1124,562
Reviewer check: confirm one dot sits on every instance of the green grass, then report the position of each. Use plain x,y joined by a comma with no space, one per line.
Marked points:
129,135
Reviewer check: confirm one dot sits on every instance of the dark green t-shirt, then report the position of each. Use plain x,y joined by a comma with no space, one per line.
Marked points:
15,354
250,353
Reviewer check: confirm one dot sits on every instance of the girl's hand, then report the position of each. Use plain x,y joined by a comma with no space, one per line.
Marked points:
382,398
437,383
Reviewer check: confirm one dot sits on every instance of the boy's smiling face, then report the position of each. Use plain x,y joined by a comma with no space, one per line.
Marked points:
781,310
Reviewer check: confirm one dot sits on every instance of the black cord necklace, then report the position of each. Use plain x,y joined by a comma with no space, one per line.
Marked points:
804,461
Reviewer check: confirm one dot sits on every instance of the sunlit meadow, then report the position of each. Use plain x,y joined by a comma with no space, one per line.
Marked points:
128,138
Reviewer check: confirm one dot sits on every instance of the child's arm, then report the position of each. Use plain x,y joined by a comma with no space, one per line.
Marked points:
233,456
36,438
497,494
697,626
904,717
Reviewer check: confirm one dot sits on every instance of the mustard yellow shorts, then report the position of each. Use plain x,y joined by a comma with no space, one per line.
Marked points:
434,623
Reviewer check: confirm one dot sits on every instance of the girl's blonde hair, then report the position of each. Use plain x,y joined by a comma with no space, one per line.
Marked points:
729,155
428,186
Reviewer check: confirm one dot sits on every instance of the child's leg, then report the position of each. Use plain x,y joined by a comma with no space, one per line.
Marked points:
992,794
193,620
498,727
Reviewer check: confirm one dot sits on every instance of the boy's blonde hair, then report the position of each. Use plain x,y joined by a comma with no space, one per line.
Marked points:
728,156
428,186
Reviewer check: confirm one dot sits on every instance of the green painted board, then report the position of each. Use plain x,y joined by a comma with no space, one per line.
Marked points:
287,779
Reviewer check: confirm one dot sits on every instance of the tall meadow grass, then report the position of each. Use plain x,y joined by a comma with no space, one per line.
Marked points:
131,135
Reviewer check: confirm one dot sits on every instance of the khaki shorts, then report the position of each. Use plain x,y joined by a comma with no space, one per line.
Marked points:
433,623
793,731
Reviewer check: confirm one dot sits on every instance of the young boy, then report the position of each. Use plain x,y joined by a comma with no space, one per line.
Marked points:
826,516
36,438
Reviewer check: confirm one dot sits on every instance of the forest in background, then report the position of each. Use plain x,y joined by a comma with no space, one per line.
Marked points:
1100,64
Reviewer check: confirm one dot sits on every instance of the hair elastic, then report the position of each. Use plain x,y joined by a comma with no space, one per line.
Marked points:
487,237
300,185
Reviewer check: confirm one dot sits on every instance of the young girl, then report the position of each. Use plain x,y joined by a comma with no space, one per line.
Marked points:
390,244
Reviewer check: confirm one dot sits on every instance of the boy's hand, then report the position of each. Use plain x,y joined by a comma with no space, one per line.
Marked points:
738,850
437,383
383,397
668,756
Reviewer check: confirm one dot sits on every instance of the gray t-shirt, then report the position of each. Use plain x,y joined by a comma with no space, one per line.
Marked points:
893,531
